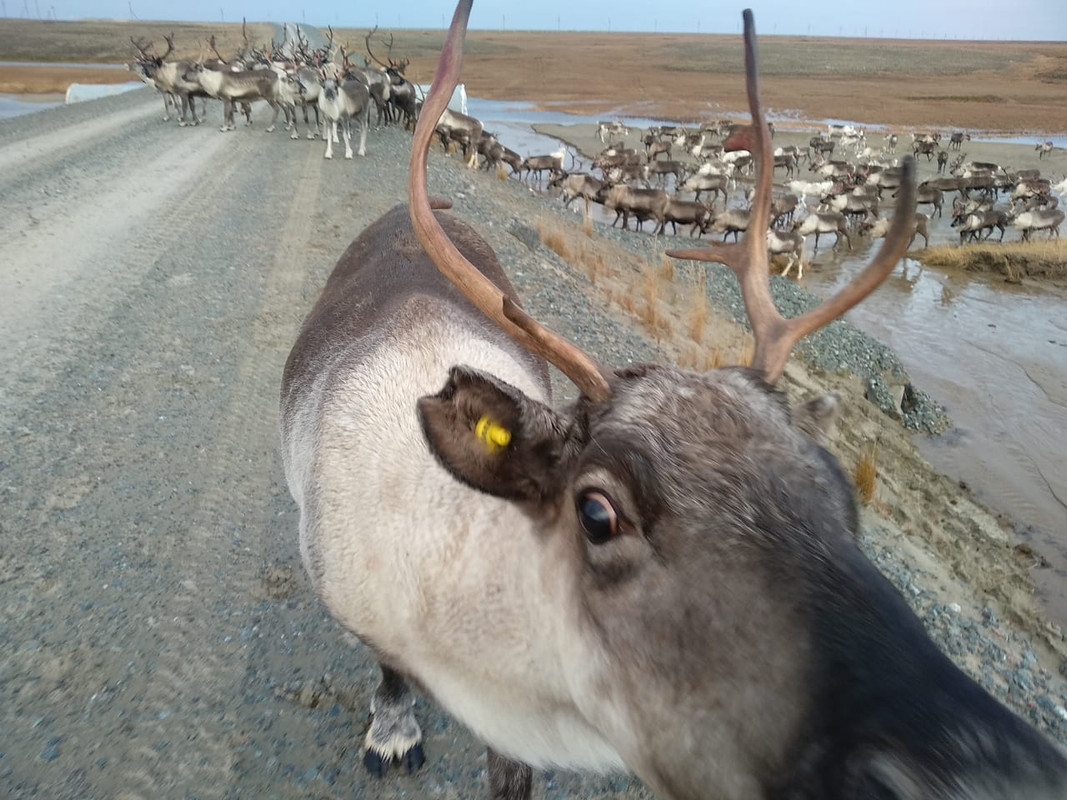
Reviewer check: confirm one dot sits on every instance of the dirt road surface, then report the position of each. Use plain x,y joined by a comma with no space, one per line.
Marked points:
159,636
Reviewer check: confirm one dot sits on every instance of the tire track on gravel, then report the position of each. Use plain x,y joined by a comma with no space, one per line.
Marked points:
134,563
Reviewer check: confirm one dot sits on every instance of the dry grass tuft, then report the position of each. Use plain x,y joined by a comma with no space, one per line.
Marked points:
650,294
667,268
501,172
697,315
554,239
1014,260
587,222
866,475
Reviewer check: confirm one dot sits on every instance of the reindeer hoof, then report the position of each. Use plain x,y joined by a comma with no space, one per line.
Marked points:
378,766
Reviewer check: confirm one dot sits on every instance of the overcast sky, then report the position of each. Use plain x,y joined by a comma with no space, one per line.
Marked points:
1043,20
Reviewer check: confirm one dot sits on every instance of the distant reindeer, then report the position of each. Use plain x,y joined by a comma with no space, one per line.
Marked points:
660,576
1043,149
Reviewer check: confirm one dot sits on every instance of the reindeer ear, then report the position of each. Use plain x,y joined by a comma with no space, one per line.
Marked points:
493,437
816,417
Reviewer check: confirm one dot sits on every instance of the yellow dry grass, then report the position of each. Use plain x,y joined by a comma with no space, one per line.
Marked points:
865,476
671,306
1014,260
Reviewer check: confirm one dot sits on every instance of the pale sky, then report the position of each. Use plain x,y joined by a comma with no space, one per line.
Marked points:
1044,20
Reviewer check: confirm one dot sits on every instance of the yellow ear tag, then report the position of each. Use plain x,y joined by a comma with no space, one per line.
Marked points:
494,436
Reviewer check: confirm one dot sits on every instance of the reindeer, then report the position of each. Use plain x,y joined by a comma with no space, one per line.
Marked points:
789,244
642,203
661,169
698,184
613,128
687,212
144,66
173,78
246,85
827,222
340,102
974,223
1042,219
654,146
1043,149
577,184
956,140
879,228
552,163
659,577
453,126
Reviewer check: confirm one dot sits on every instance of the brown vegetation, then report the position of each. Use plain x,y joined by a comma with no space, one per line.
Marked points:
902,83
1014,260
651,291
108,41
866,475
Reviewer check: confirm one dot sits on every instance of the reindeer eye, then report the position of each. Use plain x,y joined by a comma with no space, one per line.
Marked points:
597,516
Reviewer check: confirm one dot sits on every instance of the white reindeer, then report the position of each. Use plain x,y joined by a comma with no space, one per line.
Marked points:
340,103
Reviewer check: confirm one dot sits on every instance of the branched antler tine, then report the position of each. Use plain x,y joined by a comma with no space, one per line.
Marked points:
760,147
571,360
366,41
773,358
170,45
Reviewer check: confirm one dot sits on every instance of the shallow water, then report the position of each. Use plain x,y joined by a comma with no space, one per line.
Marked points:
994,354
11,105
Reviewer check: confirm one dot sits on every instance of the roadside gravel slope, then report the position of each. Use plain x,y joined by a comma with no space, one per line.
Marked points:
160,637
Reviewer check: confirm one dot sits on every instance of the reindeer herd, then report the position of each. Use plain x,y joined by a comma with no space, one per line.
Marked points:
841,196
670,175
289,77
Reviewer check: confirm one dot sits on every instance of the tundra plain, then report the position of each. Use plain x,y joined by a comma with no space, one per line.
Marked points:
1003,87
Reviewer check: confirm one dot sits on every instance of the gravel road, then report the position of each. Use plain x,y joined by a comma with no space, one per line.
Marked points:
160,638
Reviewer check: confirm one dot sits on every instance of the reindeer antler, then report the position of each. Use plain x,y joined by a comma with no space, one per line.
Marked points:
366,41
142,48
170,45
571,360
214,49
774,335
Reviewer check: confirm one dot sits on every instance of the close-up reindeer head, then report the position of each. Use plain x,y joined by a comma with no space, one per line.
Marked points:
660,576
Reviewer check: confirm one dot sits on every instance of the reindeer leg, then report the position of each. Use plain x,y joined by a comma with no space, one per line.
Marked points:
364,124
508,780
346,133
394,733
274,118
331,135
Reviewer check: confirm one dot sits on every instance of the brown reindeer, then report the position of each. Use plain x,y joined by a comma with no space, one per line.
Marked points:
660,576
